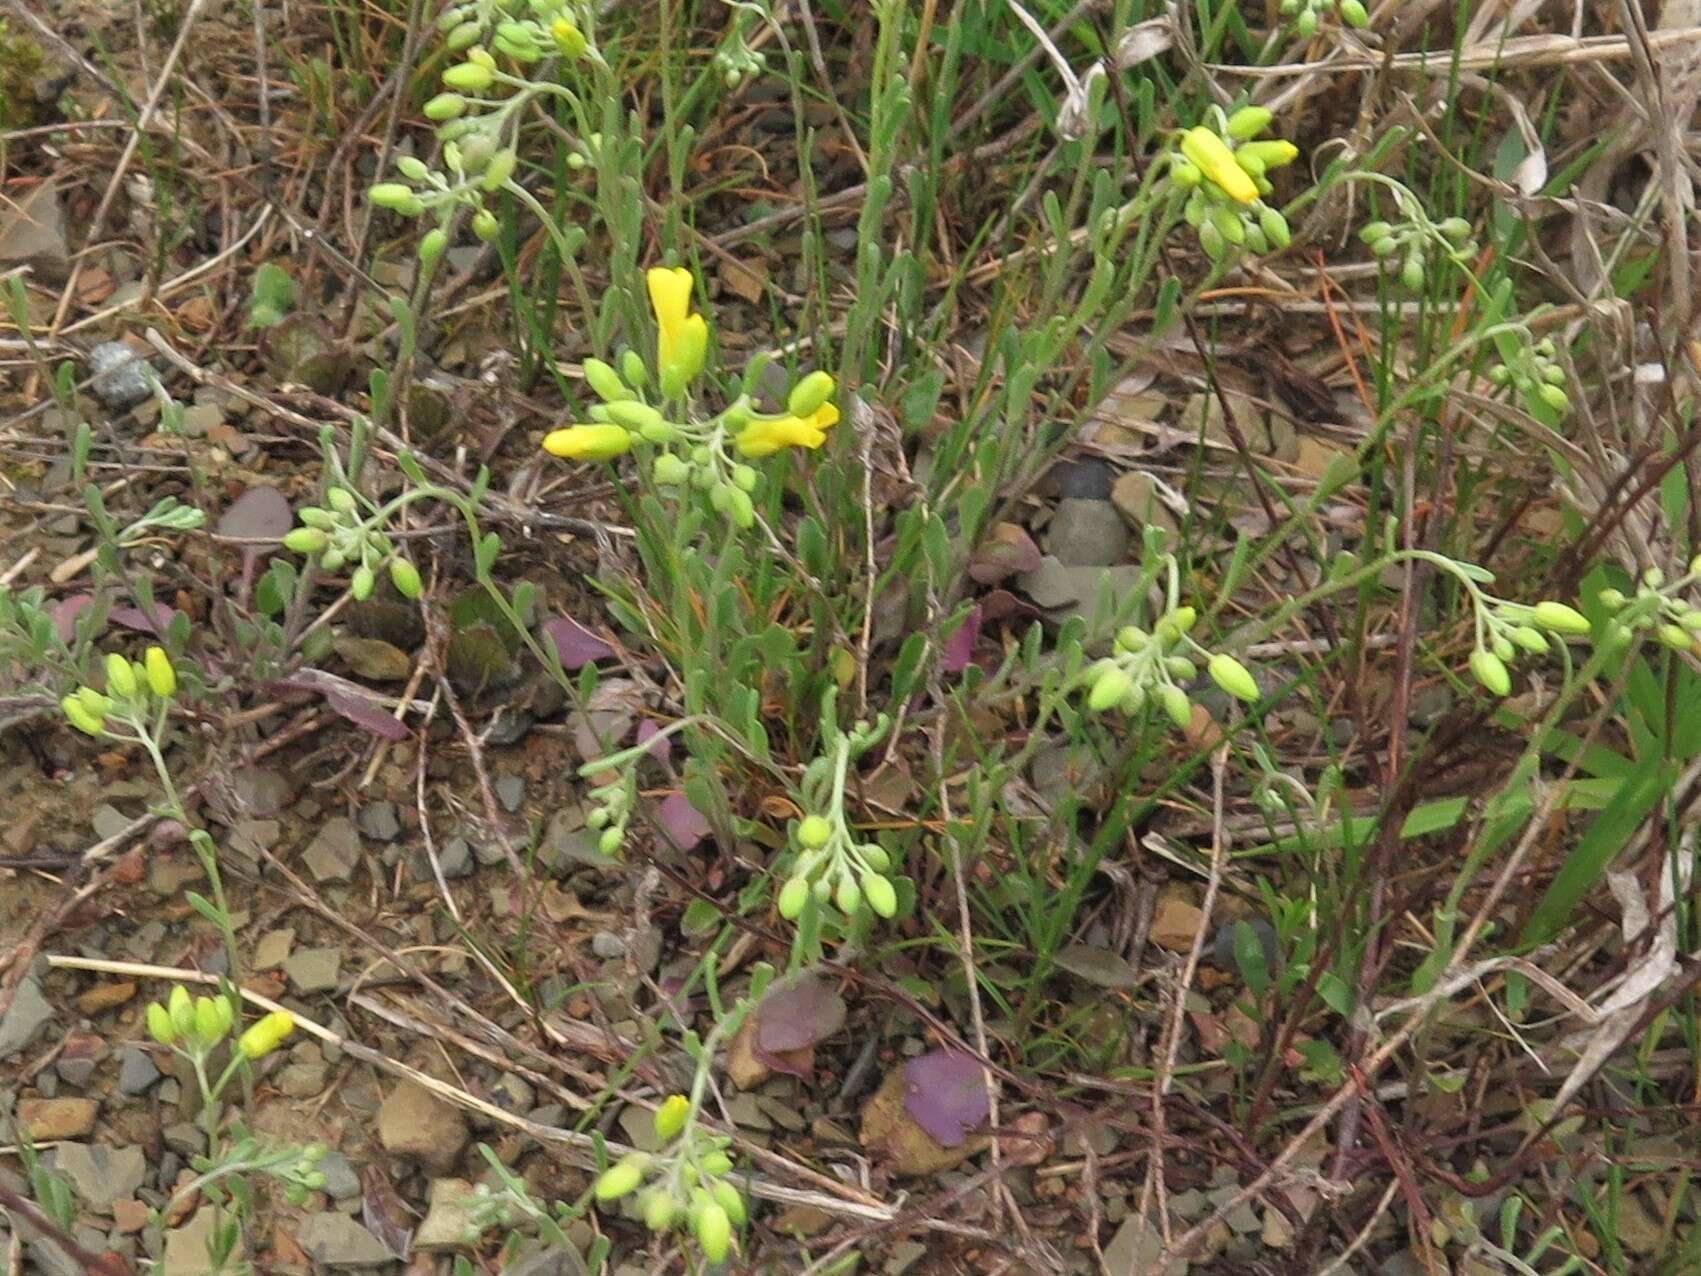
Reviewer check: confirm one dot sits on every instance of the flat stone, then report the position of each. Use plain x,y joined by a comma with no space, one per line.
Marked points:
200,418
77,1059
334,851
137,1071
378,820
314,969
103,997
415,1123
1135,1248
1087,534
511,792
274,948
186,1246
302,1080
456,858
341,1182
129,1216
45,1119
1135,497
607,945
108,821
99,1174
122,378
29,1014
184,1138
1053,584
449,1217
336,1240
32,233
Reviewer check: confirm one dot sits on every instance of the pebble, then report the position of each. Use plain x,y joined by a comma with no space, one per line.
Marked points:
378,820
513,1093
456,858
274,948
1087,534
122,378
76,1062
92,1001
607,945
108,821
314,969
449,1216
341,1182
414,1122
99,1174
48,1119
511,792
136,1070
1088,479
29,1014
302,1080
334,851
336,1240
185,1138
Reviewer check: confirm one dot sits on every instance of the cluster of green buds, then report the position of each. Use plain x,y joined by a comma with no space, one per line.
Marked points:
349,529
611,809
710,455
1672,620
1221,167
1533,373
1149,667
195,1026
829,863
476,128
137,692
685,1184
1410,241
735,60
1306,14
1505,630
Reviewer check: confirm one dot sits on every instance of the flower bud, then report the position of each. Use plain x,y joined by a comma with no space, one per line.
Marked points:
120,678
445,106
605,381
1674,636
879,893
1275,153
632,367
1456,229
392,195
1248,122
431,246
634,415
464,35
714,1231
405,577
609,842
1185,174
1490,670
1554,397
745,478
1411,273
876,856
1274,226
182,1008
210,1022
1131,638
306,540
813,832
468,77
793,896
499,170
810,393
266,1035
160,1027
1180,668
670,1116
728,1198
740,508
1375,231
669,470
1233,677
1353,13
1529,639
485,225
1109,689
361,583
1562,619
848,896
621,1177
332,559
1176,705
568,38
659,1210
97,705
716,1163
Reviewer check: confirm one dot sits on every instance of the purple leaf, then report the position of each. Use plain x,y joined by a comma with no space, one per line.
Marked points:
960,646
945,1094
65,615
647,731
367,715
683,823
259,514
137,619
575,645
799,1012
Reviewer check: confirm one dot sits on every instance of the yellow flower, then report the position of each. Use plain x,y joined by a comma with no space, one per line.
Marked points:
266,1035
587,442
764,438
1212,157
162,678
670,1117
682,338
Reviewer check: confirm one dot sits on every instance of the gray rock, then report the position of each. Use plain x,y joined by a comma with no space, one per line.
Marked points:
32,233
302,1080
99,1174
1088,479
341,1182
416,1123
607,945
122,378
334,851
185,1138
1055,585
108,821
449,1217
456,858
488,854
513,1093
28,1015
137,1071
336,1240
378,820
1087,534
1135,1248
314,969
511,792
200,418
273,948
508,726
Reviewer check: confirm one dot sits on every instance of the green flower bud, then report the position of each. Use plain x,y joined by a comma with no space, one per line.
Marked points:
412,167
848,896
1562,619
469,77
361,583
1108,689
1131,638
160,1027
485,225
120,677
793,896
1185,618
405,577
632,365
1249,162
1180,668
1185,174
313,516
432,245
1248,122
876,856
1374,232
1383,249
605,381
715,1164
813,832
1553,374
1529,639
1502,647
1134,701
879,893
728,1198
1307,24
670,1116
809,394
745,478
1456,229
1674,636
182,1008
621,1177
609,842
1275,226
306,540
445,106
1490,670
1212,241
740,508
1353,13
1233,677
341,500
499,170
669,470
1499,374
714,1231
392,195
658,1210
1227,220
1176,705
210,1023
332,559
1412,273
1690,620
1554,397
463,36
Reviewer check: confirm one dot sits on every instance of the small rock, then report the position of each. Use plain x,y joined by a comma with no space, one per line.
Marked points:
92,1001
129,1216
607,945
513,1093
29,1014
32,233
77,1059
1135,497
49,1119
1176,923
414,1122
905,1255
336,1240
302,1080
488,854
137,1071
186,1246
511,792
746,1113
273,948
1135,1248
378,821
456,858
1087,479
449,1217
168,875
122,378
334,851
314,969
201,418
101,1174
341,1182
185,1138
108,821
1087,534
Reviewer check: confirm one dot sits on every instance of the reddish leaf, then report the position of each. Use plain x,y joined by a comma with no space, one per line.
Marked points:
259,514
575,646
683,823
648,731
367,715
65,613
960,646
137,619
945,1094
799,1013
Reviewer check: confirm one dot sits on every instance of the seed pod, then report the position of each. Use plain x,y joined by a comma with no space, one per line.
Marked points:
1489,670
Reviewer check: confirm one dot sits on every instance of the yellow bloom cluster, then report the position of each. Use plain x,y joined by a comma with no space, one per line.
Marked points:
764,438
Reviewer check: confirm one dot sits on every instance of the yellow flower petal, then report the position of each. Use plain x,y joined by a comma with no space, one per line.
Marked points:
1212,157
266,1035
670,297
587,442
